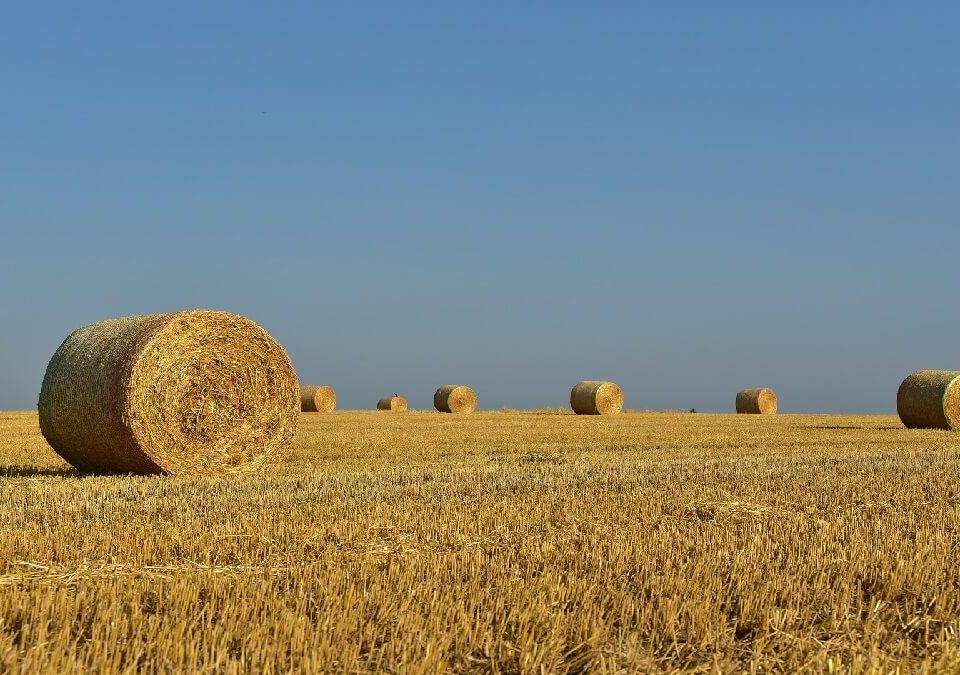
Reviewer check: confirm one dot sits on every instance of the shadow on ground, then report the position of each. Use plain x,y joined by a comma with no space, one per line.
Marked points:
846,426
35,471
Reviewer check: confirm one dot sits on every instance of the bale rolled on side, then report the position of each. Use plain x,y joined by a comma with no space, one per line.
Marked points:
592,397
757,401
930,399
186,392
318,398
455,398
392,403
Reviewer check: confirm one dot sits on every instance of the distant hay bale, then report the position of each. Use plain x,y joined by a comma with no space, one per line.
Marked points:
592,397
392,403
318,399
758,401
186,392
455,398
930,399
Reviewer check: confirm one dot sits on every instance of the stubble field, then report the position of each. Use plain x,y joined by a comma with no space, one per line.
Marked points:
497,542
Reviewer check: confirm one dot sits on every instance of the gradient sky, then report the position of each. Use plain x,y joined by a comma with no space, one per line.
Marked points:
687,198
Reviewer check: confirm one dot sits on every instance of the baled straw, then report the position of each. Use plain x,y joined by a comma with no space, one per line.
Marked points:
455,398
185,392
757,401
392,403
318,398
930,399
592,397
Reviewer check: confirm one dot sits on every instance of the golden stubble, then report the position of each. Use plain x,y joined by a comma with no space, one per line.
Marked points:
497,542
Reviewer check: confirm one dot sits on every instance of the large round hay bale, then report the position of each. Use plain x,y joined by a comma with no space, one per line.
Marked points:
186,392
392,403
455,398
318,398
930,399
757,401
592,397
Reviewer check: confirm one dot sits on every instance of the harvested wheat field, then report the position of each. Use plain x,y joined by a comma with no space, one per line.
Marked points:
497,542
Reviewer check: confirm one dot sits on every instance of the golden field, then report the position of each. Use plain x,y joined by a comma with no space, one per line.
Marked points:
497,542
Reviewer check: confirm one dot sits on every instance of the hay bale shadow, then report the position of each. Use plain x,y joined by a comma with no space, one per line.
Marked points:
20,471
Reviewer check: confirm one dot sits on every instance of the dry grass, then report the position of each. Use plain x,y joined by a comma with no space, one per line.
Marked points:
497,542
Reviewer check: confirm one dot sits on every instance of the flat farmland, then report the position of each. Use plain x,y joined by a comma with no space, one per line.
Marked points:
506,542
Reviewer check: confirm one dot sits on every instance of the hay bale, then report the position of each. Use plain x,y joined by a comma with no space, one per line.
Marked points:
930,399
455,398
757,401
318,398
392,403
185,392
592,397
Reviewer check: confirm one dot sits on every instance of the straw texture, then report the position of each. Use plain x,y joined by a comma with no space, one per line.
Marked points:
186,392
393,403
930,399
455,398
592,397
319,398
757,401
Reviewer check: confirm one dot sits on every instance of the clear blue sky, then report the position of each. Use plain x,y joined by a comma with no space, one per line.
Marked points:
687,198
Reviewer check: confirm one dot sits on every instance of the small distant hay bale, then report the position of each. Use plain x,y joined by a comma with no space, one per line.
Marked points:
757,401
455,398
930,399
392,403
593,397
318,398
198,392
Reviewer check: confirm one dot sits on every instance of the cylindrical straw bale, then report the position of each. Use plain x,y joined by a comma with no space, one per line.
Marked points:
392,403
455,398
185,392
318,399
930,399
757,401
592,397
